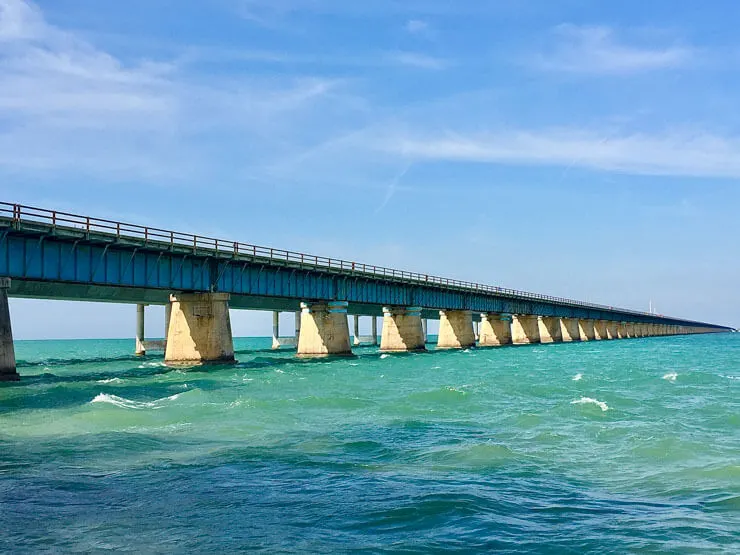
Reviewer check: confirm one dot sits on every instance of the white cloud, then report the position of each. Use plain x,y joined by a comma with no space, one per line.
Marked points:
417,27
68,105
670,154
597,49
415,59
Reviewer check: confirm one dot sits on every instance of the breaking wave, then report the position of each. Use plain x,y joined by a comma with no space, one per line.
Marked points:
671,377
589,401
129,404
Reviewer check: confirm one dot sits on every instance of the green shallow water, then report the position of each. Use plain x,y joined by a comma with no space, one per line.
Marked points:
501,450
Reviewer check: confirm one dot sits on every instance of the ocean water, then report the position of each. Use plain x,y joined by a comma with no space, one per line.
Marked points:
608,447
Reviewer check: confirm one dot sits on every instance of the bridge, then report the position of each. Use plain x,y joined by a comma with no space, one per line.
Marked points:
48,254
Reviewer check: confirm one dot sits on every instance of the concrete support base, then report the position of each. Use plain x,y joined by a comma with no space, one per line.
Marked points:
456,329
200,329
495,330
549,330
587,330
569,330
324,330
8,371
278,341
402,330
139,349
358,339
611,330
524,329
600,330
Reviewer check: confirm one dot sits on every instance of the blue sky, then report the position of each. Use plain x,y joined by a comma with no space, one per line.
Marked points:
577,148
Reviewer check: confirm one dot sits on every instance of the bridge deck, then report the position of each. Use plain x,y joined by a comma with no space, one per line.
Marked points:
51,254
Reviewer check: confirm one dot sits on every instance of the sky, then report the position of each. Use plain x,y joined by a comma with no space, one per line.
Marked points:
576,148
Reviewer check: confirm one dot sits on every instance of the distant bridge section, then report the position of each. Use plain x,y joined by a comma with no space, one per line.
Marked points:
58,255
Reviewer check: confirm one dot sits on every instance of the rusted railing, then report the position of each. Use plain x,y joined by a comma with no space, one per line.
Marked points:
19,213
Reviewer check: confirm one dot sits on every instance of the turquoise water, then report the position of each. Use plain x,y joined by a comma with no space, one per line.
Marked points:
622,446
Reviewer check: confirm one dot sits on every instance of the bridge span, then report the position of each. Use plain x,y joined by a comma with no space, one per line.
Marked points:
48,254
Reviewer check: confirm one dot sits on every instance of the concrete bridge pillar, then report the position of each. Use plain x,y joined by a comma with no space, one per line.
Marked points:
402,330
456,329
356,330
278,341
622,332
612,330
358,339
200,329
167,319
569,329
8,371
139,349
587,330
495,330
600,330
524,329
549,330
324,330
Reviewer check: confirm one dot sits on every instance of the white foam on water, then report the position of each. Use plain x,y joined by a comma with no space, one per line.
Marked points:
589,401
278,371
129,404
577,377
671,377
730,377
384,356
111,380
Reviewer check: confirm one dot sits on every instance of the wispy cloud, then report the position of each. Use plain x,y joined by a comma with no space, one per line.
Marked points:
67,105
670,154
418,60
599,50
418,27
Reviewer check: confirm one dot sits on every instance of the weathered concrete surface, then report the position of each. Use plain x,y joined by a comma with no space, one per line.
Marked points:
324,330
612,330
524,329
139,348
200,329
600,330
455,329
549,330
569,330
495,330
402,330
587,330
8,372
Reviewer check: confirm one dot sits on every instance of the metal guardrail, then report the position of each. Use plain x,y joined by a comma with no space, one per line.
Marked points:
20,213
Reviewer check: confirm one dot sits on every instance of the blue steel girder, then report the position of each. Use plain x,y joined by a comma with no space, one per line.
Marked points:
56,263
